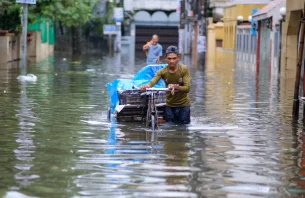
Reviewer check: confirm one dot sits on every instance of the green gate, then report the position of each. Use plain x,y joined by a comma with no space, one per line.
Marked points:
46,27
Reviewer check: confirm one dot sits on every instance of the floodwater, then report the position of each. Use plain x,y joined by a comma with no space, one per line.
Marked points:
56,141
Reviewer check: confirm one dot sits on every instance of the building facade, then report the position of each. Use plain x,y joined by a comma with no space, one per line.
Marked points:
289,50
269,21
149,17
218,9
233,10
290,32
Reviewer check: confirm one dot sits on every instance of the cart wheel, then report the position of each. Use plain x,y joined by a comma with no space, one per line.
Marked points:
108,114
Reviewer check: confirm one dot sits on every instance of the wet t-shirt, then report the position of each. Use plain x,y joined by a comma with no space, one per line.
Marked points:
181,77
153,53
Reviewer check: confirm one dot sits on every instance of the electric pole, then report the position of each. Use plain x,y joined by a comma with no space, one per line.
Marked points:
182,28
24,38
195,41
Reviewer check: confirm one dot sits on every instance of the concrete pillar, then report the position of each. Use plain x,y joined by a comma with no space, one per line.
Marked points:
187,39
211,45
290,31
181,41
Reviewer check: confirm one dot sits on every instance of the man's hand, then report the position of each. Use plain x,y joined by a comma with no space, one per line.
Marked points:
144,87
173,87
145,47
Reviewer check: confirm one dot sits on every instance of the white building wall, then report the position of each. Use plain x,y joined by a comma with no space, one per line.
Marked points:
131,5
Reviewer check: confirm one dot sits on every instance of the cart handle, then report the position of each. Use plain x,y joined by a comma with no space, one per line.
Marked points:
152,89
158,89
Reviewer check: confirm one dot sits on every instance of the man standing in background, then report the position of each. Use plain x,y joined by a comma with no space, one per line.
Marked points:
153,50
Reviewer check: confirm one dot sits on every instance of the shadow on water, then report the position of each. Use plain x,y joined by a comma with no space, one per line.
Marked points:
56,141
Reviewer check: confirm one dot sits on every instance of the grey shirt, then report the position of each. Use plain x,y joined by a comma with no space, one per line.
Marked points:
153,53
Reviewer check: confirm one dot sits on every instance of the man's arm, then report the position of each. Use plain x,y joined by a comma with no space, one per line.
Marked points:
153,81
158,60
159,55
145,47
187,82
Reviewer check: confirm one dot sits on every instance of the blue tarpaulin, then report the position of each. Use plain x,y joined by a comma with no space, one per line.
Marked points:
142,77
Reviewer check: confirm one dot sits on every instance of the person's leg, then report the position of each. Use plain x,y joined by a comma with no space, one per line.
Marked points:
184,115
177,114
169,115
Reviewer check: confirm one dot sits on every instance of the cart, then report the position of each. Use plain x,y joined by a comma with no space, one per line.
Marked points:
136,105
129,104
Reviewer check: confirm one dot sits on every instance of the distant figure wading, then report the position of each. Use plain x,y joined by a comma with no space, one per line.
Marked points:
153,50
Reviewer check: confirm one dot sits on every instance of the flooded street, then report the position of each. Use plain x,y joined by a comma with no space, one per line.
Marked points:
56,140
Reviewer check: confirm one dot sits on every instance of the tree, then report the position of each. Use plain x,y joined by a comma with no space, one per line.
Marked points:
72,13
10,16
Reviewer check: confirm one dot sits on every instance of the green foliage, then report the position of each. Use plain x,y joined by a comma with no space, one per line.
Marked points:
69,12
95,26
10,16
110,15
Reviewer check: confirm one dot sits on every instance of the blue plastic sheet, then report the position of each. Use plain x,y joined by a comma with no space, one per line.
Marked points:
142,77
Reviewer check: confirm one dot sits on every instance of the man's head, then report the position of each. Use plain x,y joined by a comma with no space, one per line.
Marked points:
172,56
155,39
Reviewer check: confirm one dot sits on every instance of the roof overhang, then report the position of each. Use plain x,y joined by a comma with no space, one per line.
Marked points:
268,11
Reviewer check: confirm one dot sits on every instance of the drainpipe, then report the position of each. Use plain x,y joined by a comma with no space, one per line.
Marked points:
195,43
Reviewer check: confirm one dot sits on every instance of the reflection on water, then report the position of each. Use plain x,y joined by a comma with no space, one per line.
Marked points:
56,141
25,152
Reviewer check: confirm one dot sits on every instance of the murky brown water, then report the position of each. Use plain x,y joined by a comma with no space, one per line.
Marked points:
56,141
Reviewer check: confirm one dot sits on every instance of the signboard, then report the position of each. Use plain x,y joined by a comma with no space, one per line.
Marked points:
201,44
110,29
26,1
118,14
254,23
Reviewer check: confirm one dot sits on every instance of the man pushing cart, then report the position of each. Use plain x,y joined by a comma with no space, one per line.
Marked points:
163,94
177,78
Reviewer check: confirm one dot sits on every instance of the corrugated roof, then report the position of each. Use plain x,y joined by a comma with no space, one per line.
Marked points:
269,7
